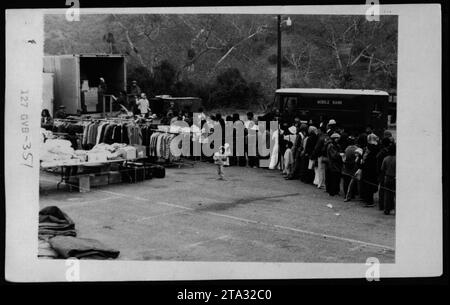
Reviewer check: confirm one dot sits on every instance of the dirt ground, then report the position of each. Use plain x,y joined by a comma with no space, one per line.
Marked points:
255,215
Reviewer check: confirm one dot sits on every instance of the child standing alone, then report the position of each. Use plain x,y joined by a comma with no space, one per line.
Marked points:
220,158
288,159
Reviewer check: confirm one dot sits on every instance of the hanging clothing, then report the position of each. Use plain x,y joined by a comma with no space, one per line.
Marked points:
288,162
274,153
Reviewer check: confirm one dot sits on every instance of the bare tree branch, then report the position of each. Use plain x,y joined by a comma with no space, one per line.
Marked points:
336,50
127,35
259,30
360,55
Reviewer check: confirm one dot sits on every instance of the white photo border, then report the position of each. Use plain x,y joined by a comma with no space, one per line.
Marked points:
419,174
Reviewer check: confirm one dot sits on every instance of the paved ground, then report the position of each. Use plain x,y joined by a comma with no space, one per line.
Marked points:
253,216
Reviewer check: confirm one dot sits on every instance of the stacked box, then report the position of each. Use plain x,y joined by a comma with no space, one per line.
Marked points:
91,99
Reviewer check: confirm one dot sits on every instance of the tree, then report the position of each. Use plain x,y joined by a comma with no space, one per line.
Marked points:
318,51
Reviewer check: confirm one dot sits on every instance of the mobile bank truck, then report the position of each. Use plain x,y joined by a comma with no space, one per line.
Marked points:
352,109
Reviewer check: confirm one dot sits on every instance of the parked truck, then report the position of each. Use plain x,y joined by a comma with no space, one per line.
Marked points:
352,109
76,80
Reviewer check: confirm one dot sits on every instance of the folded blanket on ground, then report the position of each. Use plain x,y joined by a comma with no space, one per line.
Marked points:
82,248
53,221
45,250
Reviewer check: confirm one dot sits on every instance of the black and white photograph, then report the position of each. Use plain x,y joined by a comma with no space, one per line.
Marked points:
244,137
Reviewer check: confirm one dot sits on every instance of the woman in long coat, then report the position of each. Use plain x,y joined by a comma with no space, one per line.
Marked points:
369,174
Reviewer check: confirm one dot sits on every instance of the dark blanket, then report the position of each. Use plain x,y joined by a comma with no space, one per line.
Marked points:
82,248
53,221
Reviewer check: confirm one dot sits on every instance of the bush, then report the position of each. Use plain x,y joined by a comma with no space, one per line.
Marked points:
164,77
142,76
229,89
232,90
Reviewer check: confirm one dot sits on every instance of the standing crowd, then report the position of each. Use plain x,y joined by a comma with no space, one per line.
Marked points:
341,163
350,165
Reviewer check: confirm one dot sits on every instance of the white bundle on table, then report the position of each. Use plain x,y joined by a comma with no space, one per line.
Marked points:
46,134
56,149
81,155
108,151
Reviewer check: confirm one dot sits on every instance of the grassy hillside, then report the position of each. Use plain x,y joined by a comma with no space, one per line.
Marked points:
230,60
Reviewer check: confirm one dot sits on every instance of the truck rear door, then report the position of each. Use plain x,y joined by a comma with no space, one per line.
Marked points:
69,83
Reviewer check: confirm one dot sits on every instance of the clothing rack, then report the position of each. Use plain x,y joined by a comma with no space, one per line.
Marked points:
179,163
164,131
74,120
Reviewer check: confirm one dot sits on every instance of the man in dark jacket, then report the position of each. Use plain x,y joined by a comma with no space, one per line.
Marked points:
102,90
334,167
350,166
388,171
311,140
384,151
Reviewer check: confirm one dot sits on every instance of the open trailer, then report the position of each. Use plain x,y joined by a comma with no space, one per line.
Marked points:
76,78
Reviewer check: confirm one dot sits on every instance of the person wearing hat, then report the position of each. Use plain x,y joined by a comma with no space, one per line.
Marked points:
372,139
135,90
356,177
334,167
61,112
331,127
297,151
369,171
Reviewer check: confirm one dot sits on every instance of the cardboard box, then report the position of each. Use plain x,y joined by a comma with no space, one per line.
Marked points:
129,152
84,184
91,99
80,183
141,151
96,157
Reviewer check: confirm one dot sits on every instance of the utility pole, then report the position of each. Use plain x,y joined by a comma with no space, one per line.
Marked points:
279,52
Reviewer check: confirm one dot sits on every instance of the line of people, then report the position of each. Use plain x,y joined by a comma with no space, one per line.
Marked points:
341,163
